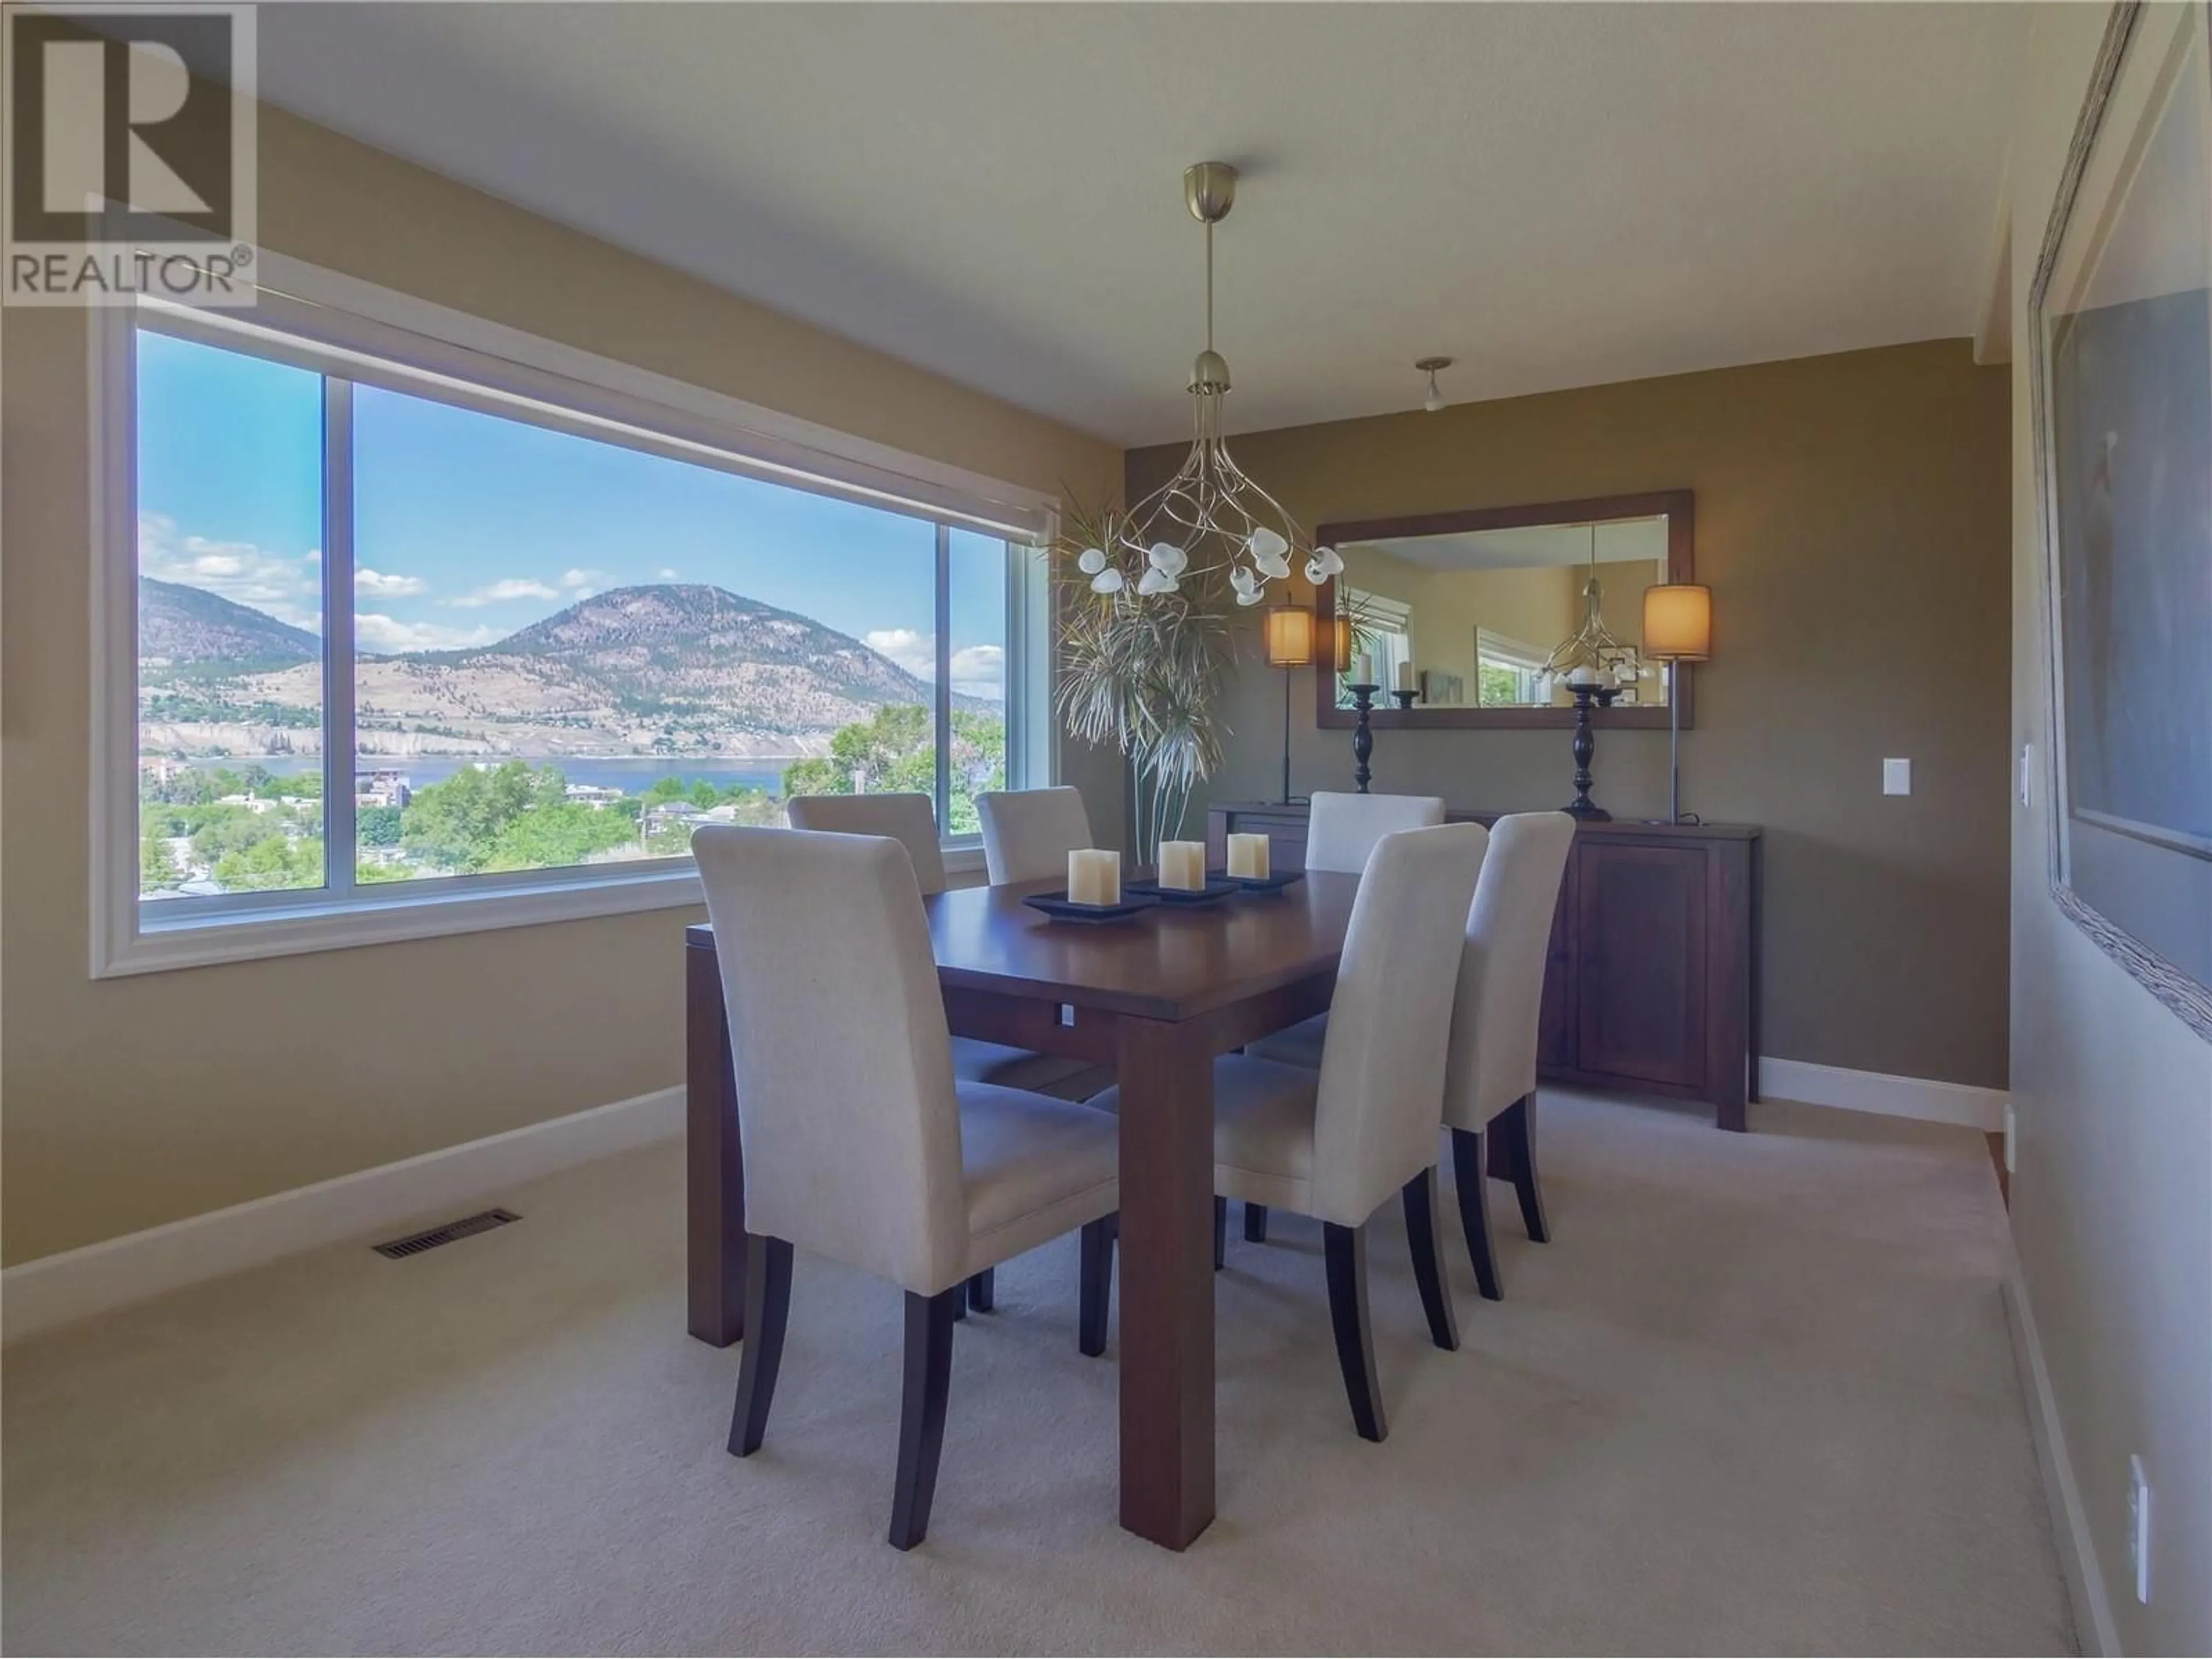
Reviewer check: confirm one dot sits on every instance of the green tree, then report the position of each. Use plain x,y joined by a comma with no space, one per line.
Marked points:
157,865
377,826
457,824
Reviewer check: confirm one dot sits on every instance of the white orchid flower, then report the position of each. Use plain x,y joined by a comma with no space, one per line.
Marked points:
1327,561
1252,598
1243,581
1107,582
1157,581
1092,560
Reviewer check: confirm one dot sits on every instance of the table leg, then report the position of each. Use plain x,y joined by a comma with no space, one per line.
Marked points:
1166,1074
714,1174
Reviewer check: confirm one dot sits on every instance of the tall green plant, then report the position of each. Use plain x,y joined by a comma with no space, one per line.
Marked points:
1145,675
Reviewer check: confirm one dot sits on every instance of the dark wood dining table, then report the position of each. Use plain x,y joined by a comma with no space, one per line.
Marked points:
1157,997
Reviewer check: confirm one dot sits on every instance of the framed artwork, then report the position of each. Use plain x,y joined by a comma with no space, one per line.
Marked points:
2120,327
1442,690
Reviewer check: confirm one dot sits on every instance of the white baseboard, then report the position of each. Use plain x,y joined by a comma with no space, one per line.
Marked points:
2070,1523
1878,1091
75,1284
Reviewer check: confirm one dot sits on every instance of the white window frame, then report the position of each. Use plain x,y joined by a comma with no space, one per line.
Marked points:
1523,658
331,322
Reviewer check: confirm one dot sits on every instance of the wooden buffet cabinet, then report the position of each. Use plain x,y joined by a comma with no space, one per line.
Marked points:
1651,982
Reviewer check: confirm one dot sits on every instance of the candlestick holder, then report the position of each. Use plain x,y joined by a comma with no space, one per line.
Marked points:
1362,734
1404,700
1585,746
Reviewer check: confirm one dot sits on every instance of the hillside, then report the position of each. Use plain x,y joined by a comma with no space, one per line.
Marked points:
181,626
665,668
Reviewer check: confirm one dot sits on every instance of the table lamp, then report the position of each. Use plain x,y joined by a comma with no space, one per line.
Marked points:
1678,626
1290,645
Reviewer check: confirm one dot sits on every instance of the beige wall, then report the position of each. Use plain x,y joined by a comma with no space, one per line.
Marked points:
133,1102
2112,1204
1851,520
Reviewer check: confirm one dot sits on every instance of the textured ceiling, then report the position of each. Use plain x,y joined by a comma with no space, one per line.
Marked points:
1555,195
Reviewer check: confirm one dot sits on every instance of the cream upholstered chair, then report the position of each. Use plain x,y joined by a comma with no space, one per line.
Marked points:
911,821
1029,833
1335,1144
858,1144
1490,1078
1341,830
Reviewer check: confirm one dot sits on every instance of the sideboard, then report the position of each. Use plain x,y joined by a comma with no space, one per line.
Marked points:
1651,981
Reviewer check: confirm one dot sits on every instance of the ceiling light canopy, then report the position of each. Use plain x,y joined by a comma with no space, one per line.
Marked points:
1429,366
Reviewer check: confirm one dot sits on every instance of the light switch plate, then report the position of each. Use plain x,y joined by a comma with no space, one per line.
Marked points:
1897,777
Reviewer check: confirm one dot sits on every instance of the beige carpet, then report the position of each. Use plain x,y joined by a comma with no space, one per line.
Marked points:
1757,1397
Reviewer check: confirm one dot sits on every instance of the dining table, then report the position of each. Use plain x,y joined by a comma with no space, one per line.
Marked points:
1157,997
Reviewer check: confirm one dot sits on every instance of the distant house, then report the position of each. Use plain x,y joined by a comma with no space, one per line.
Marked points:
593,794
382,787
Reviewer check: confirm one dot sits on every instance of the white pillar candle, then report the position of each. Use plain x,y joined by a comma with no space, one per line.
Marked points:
1094,877
1405,675
1584,675
1183,864
1247,856
1362,670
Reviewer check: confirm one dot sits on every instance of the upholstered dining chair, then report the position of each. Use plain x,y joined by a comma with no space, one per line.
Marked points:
1335,1144
1490,1075
1029,833
859,1143
1341,832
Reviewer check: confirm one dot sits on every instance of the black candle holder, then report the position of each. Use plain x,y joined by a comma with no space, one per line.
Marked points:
1404,700
1585,746
1362,734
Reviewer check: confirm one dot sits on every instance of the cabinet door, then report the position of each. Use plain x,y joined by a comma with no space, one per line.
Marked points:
1555,1026
1285,833
1639,962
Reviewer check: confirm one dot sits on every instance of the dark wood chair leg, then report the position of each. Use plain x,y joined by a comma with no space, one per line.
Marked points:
1516,1126
1095,1285
1469,1175
1420,1199
1345,1250
768,1310
983,1290
1256,1223
929,1321
1220,1232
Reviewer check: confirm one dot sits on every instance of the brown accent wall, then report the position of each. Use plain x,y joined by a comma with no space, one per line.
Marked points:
1853,521
134,1102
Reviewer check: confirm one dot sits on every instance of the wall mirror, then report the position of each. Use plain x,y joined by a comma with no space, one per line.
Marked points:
1464,608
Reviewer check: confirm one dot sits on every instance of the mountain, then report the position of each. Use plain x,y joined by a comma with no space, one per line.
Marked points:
183,627
675,669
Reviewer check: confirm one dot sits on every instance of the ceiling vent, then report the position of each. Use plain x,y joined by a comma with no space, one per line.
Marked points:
469,1226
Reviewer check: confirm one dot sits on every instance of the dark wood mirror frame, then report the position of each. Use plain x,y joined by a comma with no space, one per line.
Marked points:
1678,506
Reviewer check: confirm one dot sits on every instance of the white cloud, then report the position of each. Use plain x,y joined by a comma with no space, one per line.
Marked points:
286,586
512,587
666,574
585,580
980,670
914,651
385,585
381,632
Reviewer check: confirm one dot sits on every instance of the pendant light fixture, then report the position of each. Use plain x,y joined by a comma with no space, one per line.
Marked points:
1592,655
1429,366
1210,513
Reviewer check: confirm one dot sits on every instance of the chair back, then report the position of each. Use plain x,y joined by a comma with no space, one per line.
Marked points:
1382,1063
908,819
1500,998
851,1125
1342,830
1029,833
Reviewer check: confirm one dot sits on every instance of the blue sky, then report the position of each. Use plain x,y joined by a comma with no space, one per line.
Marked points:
467,527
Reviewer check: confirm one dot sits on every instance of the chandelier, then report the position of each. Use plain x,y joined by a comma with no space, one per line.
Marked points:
1592,655
1211,513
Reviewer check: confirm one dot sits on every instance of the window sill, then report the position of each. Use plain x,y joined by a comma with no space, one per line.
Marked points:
203,940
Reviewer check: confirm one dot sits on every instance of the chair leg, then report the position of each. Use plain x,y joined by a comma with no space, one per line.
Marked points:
1420,1199
1256,1223
1345,1250
1516,1126
983,1290
1094,1284
1220,1233
768,1310
1469,1175
929,1321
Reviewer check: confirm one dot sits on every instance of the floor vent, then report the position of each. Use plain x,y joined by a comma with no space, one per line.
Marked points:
469,1226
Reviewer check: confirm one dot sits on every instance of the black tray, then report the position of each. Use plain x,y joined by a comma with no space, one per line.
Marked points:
1061,908
1217,888
1274,883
